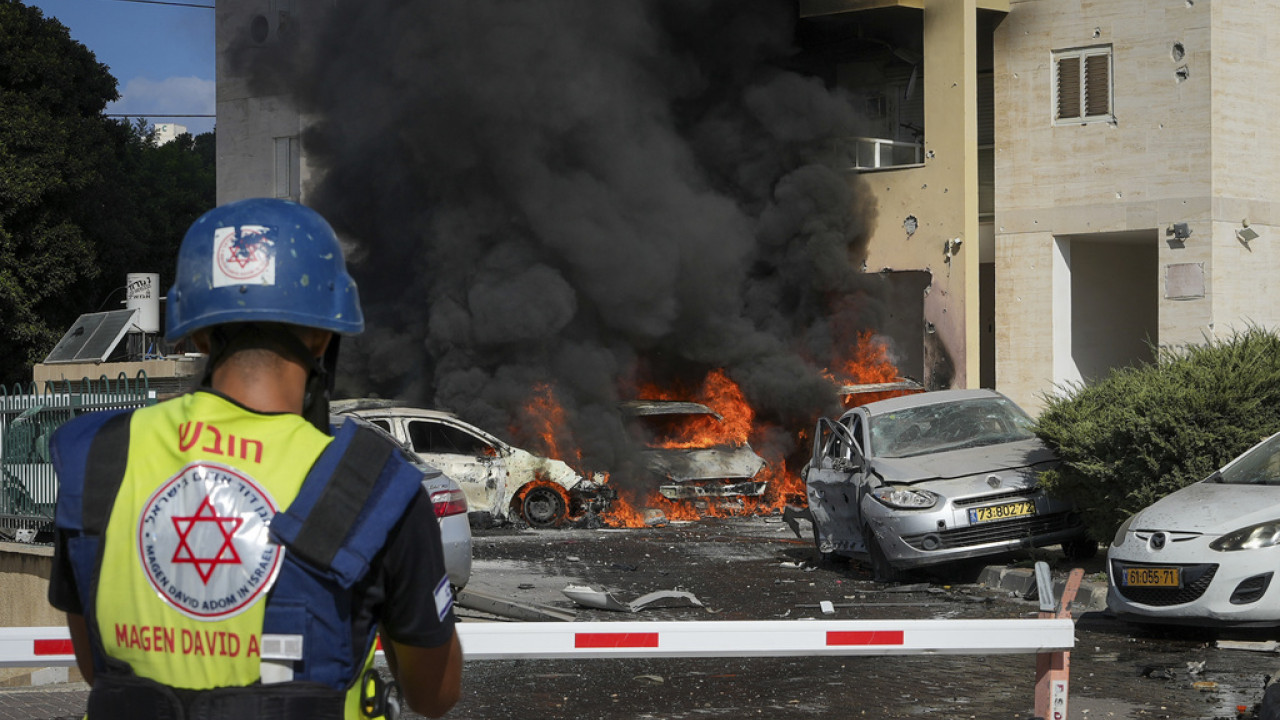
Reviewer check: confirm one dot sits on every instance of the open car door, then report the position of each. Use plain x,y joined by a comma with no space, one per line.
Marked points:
832,483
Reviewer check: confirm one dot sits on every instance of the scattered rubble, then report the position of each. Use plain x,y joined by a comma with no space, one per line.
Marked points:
596,597
1259,646
502,607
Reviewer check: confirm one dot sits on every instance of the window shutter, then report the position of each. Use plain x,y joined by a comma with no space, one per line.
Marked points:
1068,87
1097,85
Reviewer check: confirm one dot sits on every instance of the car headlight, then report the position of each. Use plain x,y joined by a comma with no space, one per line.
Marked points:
900,497
1118,540
1262,535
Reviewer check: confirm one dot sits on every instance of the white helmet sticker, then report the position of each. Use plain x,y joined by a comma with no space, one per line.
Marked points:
204,543
244,255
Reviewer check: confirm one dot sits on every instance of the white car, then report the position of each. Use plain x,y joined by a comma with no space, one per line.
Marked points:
1206,554
451,512
501,482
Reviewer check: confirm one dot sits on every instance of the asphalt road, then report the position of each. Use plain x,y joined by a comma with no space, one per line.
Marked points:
756,568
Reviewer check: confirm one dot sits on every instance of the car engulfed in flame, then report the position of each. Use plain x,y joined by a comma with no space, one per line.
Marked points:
685,448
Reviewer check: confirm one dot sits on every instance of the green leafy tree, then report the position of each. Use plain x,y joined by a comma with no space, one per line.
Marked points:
1143,432
84,199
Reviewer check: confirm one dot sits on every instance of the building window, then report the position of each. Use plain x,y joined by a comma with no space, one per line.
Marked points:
1082,80
288,168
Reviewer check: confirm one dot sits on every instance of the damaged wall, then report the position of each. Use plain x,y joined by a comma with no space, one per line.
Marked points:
940,199
568,193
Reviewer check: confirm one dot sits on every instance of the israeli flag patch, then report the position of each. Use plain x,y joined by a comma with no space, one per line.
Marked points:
443,598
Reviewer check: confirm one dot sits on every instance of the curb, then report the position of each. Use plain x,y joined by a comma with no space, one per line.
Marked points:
1091,597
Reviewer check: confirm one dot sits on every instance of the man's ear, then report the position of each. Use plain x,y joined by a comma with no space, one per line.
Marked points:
318,341
200,339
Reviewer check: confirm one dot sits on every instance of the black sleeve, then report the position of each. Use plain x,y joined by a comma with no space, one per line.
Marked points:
417,607
63,594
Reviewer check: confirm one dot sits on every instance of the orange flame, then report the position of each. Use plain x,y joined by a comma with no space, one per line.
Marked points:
869,364
545,417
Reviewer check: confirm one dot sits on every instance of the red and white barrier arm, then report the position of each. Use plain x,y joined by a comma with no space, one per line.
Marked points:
44,647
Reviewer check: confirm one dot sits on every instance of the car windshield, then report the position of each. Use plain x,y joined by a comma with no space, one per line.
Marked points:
976,422
1259,466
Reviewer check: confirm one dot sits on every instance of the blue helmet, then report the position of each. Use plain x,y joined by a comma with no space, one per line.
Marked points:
261,260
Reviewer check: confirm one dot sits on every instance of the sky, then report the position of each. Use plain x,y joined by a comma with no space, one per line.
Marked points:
161,55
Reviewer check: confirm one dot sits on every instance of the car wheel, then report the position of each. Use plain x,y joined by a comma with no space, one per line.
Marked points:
544,506
881,569
1082,548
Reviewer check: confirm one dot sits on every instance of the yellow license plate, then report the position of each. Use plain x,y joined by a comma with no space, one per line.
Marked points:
1001,512
1152,577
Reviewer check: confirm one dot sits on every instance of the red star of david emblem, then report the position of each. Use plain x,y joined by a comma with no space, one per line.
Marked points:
244,249
226,526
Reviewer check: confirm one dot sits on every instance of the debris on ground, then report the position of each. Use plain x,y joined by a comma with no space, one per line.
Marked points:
1259,646
502,607
917,587
599,598
1205,685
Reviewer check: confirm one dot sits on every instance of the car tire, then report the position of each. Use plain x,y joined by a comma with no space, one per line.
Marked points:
544,506
1081,548
881,569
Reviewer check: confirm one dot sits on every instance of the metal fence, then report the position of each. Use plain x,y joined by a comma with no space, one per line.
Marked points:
28,417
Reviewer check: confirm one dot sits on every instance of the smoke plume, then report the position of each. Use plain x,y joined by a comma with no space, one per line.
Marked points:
581,194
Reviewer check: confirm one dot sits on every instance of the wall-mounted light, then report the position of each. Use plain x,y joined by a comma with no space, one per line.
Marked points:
1178,231
1246,234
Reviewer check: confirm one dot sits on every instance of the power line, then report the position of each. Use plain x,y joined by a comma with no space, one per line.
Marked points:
162,2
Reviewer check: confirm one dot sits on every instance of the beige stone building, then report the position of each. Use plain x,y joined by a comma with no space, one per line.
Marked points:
1135,182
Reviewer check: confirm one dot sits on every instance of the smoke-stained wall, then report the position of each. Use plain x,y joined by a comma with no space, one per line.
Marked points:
581,194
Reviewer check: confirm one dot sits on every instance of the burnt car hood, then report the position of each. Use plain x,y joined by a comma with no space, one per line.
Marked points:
722,462
1211,508
961,463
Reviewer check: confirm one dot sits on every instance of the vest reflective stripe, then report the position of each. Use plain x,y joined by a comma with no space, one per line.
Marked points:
186,567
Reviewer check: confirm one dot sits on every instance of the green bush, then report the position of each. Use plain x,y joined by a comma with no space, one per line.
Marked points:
1143,432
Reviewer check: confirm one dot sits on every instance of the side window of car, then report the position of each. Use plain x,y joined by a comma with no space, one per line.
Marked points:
384,424
836,449
430,437
855,430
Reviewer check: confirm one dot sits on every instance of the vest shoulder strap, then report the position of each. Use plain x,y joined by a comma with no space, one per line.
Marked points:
354,494
90,453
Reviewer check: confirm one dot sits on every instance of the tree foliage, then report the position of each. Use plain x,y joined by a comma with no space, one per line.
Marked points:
84,198
1145,431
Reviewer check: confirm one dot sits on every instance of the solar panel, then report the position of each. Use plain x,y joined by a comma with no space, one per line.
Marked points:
92,337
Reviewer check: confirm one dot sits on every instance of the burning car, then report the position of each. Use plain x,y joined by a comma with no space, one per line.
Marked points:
685,448
932,477
501,482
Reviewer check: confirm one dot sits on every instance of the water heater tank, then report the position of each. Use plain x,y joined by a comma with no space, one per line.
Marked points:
142,293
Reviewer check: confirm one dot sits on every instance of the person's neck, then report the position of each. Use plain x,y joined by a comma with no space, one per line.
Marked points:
280,391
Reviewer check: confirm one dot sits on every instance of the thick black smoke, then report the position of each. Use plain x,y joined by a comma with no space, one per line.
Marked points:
582,193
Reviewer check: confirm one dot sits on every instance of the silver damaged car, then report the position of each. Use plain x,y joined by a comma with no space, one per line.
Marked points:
933,477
